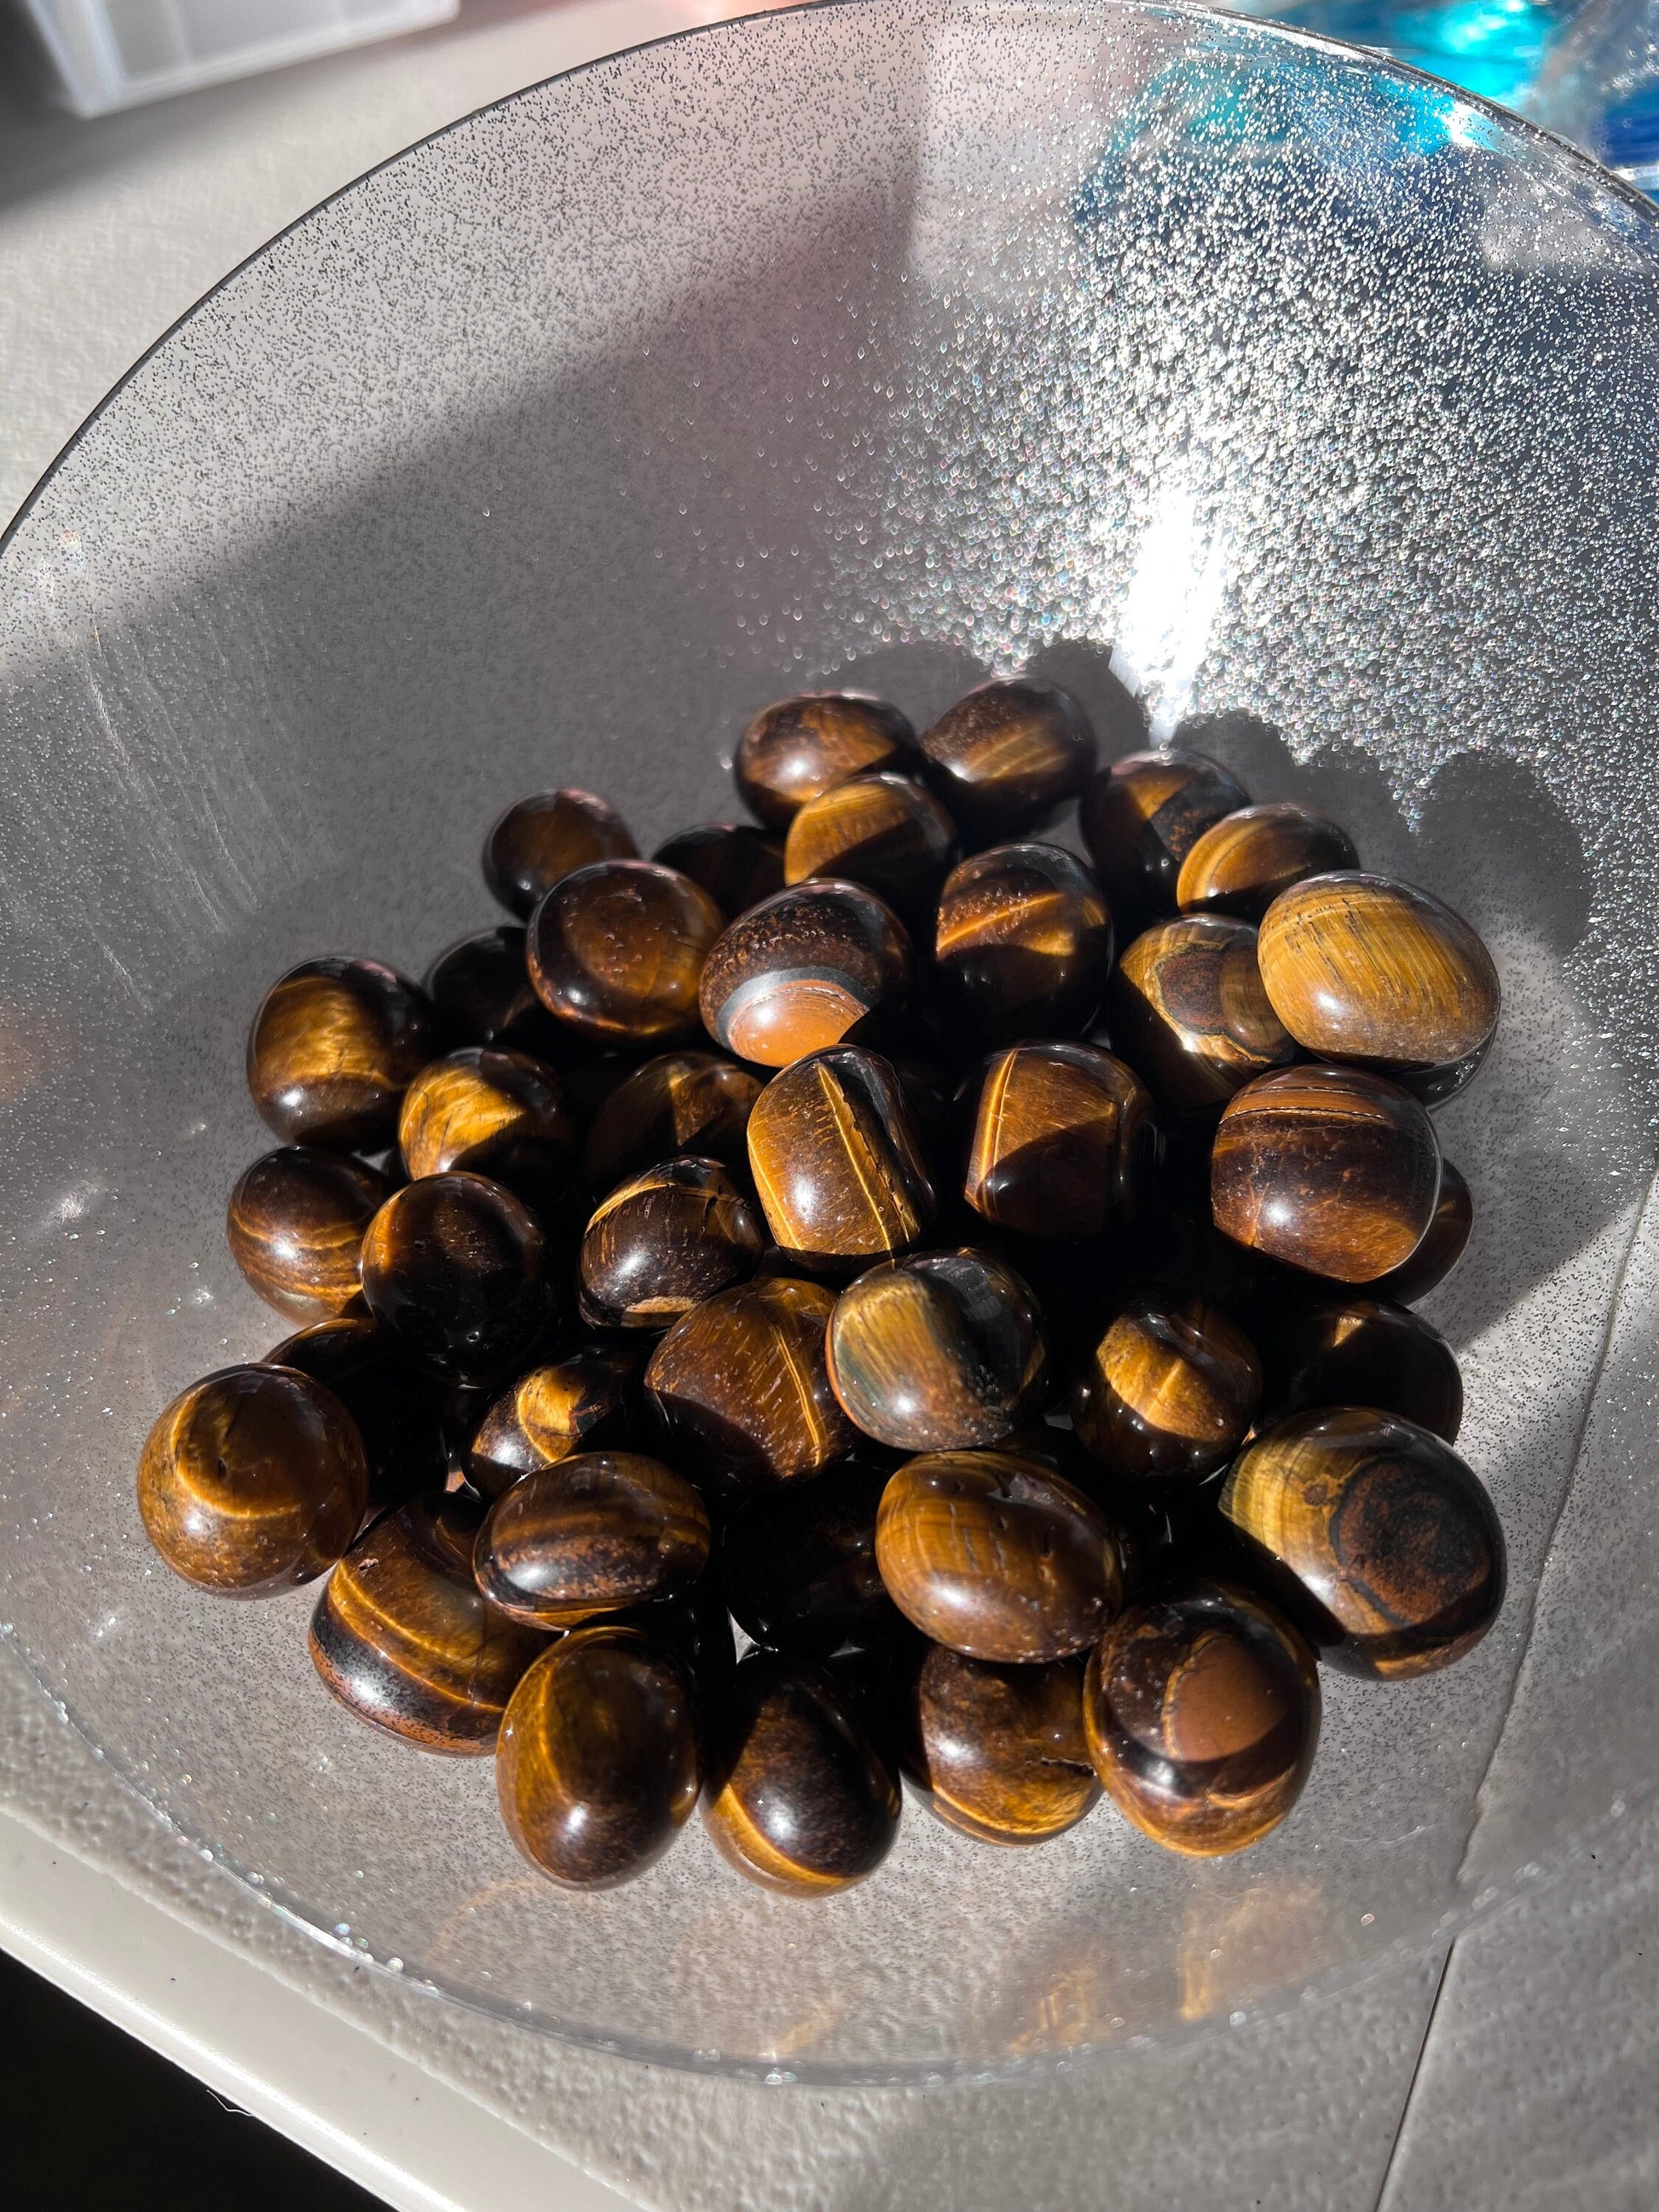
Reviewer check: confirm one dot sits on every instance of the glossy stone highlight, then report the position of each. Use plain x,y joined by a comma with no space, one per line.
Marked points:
333,1046
1023,945
681,1102
1330,1169
1188,1007
1143,815
538,841
556,1409
796,748
1008,756
1169,1390
403,1638
1361,1351
1242,863
662,1242
1365,969
251,1481
598,1768
295,1225
1202,1709
886,832
997,1752
798,1798
837,1166
1376,1535
996,1557
456,1266
490,1113
592,1533
796,972
616,950
939,1351
1060,1141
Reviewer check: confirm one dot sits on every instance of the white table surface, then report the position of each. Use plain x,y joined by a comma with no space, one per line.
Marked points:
1521,2073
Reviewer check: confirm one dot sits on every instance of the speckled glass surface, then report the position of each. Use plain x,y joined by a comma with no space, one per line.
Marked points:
898,342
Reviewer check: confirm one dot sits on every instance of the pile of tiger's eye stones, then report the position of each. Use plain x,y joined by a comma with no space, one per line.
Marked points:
978,1279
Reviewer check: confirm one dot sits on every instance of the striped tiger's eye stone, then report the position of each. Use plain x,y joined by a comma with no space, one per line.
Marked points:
736,864
398,1409
1364,969
616,950
743,1383
590,1534
997,1752
403,1638
681,1102
596,1768
994,1557
295,1225
1363,1351
1442,1248
333,1048
1168,1391
798,748
1143,815
251,1481
1008,756
457,1268
798,1798
1187,1006
540,840
490,1113
937,1352
1376,1535
796,972
835,1163
1330,1169
798,1565
553,1411
885,832
481,992
1062,1140
1242,863
1023,945
1201,1710
663,1242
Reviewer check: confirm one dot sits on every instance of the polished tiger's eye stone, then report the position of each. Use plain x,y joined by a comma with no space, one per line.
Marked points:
1062,1140
1364,969
939,1351
796,748
1008,756
295,1225
1331,1168
567,1405
1140,818
663,1242
456,1266
1242,863
798,1798
743,1384
490,1113
596,1767
796,972
590,1534
736,864
1442,1248
1188,1007
540,840
616,950
1023,946
481,993
396,1405
886,832
403,1638
251,1481
1201,1709
836,1165
997,1752
681,1102
333,1048
1360,1351
994,1557
798,1565
1168,1391
1376,1535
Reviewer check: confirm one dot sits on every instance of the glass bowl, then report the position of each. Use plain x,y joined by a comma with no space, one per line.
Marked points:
893,343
